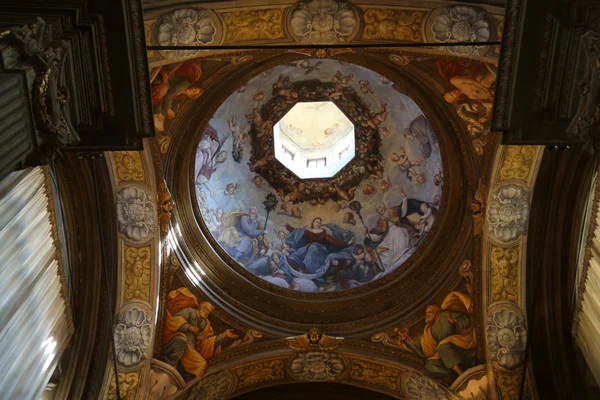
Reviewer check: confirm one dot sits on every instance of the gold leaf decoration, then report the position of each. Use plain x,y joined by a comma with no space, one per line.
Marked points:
260,372
375,374
505,269
250,25
129,165
517,162
128,383
388,24
137,273
509,386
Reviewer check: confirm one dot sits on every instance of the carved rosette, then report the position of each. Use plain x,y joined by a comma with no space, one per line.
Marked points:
508,213
317,366
506,335
324,22
136,213
214,387
419,387
462,23
133,334
186,27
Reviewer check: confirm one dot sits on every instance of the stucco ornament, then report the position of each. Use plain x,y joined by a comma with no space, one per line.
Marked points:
508,212
136,213
323,21
133,334
214,387
461,24
507,337
317,366
185,27
419,387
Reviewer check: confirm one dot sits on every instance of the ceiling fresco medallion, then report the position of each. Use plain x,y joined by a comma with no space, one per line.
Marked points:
340,228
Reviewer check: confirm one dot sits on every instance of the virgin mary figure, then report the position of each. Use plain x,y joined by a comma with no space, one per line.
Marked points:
315,247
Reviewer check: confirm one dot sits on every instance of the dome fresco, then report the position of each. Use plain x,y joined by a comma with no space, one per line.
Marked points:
326,234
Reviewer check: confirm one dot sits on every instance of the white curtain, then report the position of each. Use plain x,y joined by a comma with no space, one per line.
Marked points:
35,318
586,326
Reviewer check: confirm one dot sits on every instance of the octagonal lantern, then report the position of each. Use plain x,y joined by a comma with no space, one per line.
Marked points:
314,140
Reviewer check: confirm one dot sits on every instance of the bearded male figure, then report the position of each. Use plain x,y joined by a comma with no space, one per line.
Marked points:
448,340
242,236
189,338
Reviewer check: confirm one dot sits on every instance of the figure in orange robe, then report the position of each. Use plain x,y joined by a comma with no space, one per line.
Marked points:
448,339
188,337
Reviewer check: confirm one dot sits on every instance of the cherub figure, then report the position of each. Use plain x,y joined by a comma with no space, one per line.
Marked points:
239,137
407,166
259,181
340,82
363,263
378,118
384,132
426,220
296,193
232,189
369,189
349,218
364,86
386,185
283,82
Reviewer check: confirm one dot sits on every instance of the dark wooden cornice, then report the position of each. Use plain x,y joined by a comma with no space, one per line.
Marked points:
555,231
84,361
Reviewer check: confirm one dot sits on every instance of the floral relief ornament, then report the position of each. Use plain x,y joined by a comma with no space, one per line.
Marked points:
462,24
136,213
133,334
185,27
323,21
419,387
507,337
508,212
317,366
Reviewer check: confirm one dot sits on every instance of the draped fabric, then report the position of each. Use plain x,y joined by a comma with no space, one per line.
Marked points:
586,325
35,316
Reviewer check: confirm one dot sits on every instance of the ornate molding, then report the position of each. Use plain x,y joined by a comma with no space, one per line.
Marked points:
323,22
376,374
214,387
461,23
506,335
314,340
249,25
187,27
128,386
133,335
392,24
517,163
128,166
259,372
136,213
504,274
137,263
315,366
508,212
